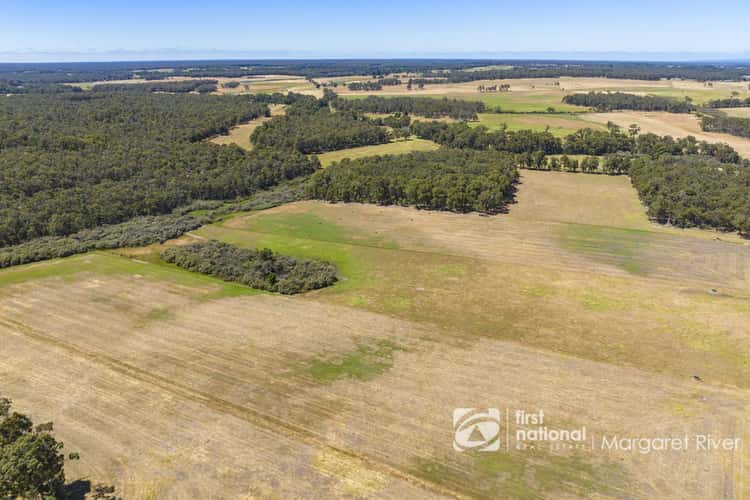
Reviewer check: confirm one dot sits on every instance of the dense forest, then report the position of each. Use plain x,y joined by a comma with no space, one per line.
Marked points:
178,86
694,191
71,162
422,106
455,180
721,122
261,269
609,101
309,126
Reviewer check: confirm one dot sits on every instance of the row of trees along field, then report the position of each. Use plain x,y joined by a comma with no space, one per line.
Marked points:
261,269
608,101
421,106
448,179
377,84
721,122
694,191
179,86
585,141
732,102
70,162
309,126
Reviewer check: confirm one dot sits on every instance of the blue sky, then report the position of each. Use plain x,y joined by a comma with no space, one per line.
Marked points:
323,28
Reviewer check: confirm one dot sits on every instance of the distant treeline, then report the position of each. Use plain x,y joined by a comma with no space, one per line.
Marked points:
70,162
179,86
694,191
432,69
582,142
20,87
309,126
261,269
455,180
624,70
721,122
609,101
732,102
422,106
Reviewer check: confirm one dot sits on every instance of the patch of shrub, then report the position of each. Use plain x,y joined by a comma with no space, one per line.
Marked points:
260,269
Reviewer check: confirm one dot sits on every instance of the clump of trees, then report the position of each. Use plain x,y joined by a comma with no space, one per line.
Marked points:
694,191
309,127
31,459
449,179
609,101
178,86
461,135
370,86
721,122
260,269
388,80
32,464
422,106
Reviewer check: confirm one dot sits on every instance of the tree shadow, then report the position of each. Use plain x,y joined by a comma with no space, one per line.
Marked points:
77,490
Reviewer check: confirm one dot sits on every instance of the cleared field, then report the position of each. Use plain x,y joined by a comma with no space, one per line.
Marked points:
559,125
674,124
741,112
170,384
240,135
391,148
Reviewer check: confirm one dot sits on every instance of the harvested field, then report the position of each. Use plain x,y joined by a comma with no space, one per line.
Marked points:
741,112
155,397
676,125
172,384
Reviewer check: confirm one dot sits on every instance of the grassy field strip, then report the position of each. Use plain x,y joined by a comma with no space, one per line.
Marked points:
391,148
559,125
240,135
